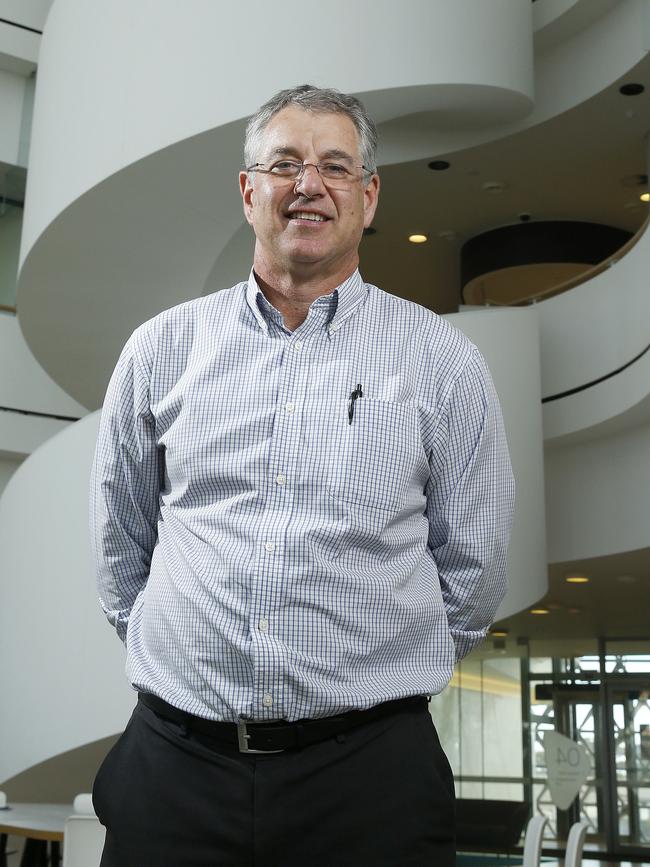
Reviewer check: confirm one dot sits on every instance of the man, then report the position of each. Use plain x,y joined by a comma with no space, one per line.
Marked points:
301,503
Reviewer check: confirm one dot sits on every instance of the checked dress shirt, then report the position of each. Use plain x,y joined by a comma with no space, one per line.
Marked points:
269,545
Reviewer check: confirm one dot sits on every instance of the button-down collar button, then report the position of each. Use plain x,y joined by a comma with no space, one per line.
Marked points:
281,479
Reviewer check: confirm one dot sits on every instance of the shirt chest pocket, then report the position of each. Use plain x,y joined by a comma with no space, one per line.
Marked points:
376,457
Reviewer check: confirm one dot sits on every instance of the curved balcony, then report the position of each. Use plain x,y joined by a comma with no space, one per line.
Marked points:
129,204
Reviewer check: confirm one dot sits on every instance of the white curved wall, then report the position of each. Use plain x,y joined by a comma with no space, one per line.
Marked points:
26,387
509,341
613,405
30,13
598,326
62,677
569,69
23,382
597,496
89,125
592,331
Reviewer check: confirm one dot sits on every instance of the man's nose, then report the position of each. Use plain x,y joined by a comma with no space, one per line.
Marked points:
309,181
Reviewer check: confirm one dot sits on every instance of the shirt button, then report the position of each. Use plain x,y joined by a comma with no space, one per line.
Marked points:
270,546
264,624
281,478
267,699
297,345
290,407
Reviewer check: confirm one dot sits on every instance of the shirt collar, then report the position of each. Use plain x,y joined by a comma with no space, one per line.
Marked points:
340,303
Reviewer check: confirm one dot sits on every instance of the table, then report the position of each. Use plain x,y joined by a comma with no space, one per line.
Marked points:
42,825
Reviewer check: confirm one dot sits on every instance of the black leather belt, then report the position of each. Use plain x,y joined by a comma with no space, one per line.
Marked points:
277,735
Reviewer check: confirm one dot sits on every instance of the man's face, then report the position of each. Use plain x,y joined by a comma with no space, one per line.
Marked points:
281,211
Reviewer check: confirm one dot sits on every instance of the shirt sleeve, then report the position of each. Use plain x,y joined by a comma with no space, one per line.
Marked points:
125,489
470,499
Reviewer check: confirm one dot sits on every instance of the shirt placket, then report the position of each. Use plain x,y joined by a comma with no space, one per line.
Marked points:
273,561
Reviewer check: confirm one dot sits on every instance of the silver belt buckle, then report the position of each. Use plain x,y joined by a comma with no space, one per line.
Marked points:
243,738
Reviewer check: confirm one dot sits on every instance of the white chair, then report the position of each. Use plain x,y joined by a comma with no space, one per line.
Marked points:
574,844
83,835
533,841
83,804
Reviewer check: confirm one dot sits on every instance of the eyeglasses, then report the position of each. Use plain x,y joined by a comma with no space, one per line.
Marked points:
333,174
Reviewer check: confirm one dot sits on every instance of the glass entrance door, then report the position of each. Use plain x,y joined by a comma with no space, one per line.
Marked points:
628,715
612,724
577,714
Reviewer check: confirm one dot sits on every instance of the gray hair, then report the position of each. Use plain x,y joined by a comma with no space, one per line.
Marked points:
315,99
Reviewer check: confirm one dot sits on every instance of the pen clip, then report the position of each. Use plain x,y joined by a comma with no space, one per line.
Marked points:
358,392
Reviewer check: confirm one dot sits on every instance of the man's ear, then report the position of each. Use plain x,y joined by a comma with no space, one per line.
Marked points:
370,200
246,190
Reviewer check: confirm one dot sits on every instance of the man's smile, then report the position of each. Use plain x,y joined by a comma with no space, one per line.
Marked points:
303,216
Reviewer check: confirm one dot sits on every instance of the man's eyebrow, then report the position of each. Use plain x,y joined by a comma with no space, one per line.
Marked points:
288,151
284,151
336,154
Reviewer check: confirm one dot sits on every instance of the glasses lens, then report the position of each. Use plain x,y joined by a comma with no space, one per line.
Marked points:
286,168
334,174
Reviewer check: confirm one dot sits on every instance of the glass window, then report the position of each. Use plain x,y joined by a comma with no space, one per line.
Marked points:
12,194
479,722
626,657
11,222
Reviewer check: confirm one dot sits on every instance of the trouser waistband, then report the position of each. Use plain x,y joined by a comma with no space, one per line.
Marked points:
277,735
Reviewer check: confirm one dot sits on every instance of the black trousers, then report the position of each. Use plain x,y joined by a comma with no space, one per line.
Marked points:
381,795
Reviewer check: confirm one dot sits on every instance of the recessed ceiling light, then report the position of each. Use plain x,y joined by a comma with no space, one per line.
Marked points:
577,579
418,239
645,197
632,89
438,165
539,610
499,633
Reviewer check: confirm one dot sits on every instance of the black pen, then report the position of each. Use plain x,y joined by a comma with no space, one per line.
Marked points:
355,394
